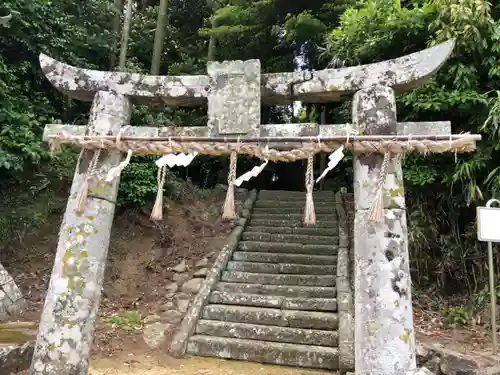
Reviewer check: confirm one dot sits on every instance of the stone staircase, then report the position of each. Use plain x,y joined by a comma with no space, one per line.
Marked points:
276,301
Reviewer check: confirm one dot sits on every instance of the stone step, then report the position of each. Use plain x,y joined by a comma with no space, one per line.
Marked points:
295,238
292,203
291,223
293,210
271,317
304,259
273,279
290,248
291,230
284,303
307,356
277,290
286,268
267,333
295,195
292,216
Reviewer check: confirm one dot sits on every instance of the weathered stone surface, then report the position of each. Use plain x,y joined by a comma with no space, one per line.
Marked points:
234,100
182,295
277,290
267,333
265,352
278,279
8,359
181,267
11,298
15,358
284,303
326,85
442,361
313,231
265,130
312,304
151,319
192,286
246,299
172,316
344,291
420,371
302,269
154,334
292,210
202,272
385,339
182,305
289,248
264,297
202,263
283,258
451,365
294,197
290,223
172,287
66,326
292,216
167,306
298,204
180,277
188,326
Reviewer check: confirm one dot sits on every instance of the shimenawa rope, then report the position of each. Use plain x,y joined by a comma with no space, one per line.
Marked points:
218,148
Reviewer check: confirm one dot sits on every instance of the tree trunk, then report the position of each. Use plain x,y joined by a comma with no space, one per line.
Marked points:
125,34
116,30
212,44
159,37
322,155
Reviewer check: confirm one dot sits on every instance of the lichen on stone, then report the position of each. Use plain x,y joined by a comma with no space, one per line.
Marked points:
67,321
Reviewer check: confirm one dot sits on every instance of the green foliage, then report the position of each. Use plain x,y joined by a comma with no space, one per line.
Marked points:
440,189
130,320
458,316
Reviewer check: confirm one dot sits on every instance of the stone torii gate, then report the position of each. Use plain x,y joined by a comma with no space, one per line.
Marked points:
234,90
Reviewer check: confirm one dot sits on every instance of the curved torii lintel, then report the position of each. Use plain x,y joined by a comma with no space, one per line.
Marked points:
402,74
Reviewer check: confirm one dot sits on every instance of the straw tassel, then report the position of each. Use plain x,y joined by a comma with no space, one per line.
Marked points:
82,196
228,212
309,213
157,213
54,146
376,211
114,172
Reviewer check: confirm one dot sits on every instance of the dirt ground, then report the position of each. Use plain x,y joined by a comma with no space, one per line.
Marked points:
140,261
191,366
139,268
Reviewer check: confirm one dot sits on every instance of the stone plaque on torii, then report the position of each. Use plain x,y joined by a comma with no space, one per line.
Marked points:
234,91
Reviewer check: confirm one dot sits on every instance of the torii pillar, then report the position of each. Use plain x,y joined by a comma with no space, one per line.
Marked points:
384,333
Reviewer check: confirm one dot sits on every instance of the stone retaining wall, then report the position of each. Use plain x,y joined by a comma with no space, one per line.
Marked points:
188,325
16,358
344,290
11,298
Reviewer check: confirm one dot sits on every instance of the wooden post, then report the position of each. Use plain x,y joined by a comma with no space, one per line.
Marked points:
67,323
